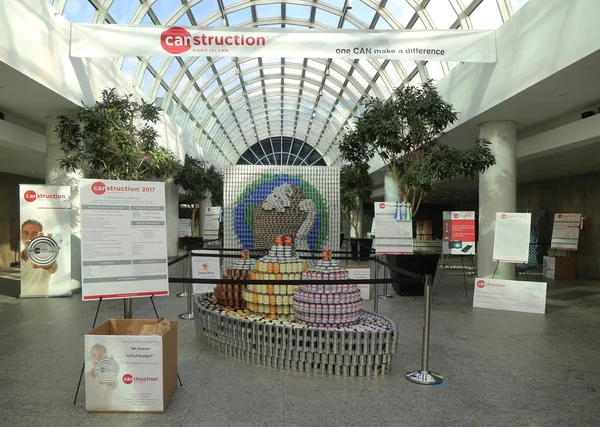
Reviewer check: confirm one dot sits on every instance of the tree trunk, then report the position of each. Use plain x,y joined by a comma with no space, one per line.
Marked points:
194,209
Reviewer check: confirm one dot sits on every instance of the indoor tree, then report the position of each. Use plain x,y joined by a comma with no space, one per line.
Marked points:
115,139
215,182
356,187
405,131
192,177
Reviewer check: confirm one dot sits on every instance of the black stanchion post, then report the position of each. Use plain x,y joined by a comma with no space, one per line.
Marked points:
189,290
423,376
185,261
127,308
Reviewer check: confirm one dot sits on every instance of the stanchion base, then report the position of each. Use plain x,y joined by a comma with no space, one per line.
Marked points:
386,296
181,294
424,378
186,316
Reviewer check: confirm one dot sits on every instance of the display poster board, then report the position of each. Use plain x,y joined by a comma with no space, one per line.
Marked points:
45,246
510,295
123,239
393,229
511,238
211,223
205,267
459,233
549,267
360,272
123,373
565,232
184,228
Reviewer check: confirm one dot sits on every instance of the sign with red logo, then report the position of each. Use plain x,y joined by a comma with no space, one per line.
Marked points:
205,265
382,206
126,373
45,243
511,237
211,223
510,295
393,228
124,239
90,40
565,232
459,234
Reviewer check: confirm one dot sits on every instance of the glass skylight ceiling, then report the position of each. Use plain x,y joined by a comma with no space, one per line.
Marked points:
229,105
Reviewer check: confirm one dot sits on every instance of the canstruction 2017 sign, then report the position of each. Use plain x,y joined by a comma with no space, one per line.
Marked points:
97,40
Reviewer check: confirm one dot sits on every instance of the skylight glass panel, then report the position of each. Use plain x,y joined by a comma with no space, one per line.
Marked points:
382,24
181,86
163,9
327,18
297,11
486,16
146,20
183,21
197,63
129,67
400,10
203,9
122,11
363,12
147,82
347,25
156,62
249,64
517,4
79,11
441,13
269,10
239,17
171,72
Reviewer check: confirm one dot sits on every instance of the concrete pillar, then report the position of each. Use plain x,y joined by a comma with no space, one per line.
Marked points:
497,193
172,214
390,189
57,176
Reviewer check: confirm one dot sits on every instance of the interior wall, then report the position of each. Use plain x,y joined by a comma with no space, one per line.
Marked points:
575,194
9,216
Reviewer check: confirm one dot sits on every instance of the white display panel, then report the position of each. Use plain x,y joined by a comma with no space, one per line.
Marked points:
205,267
211,223
512,236
184,228
565,232
123,239
459,233
511,295
393,236
45,211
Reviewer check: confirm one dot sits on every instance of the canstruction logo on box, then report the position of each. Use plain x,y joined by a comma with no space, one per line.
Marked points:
177,40
32,196
130,379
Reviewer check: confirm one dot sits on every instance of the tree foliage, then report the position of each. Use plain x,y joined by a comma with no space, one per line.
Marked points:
405,132
115,139
215,183
356,186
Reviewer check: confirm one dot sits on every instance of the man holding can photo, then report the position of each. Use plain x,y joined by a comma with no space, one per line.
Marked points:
34,278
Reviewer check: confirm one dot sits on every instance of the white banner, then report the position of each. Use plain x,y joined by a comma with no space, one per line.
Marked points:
511,238
205,267
45,240
211,223
123,373
123,239
511,295
99,40
393,231
565,232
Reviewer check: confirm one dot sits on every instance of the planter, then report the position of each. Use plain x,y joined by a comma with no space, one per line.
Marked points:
419,264
361,249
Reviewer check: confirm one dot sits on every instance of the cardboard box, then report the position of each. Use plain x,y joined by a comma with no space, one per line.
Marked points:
360,272
560,268
129,372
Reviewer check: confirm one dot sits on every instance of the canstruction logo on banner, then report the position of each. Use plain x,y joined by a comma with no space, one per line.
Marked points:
178,40
32,196
100,188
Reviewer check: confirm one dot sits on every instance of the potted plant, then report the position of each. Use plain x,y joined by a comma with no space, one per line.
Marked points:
405,131
192,177
115,139
356,187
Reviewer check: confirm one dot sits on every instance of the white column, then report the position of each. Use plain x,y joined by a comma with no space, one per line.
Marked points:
172,214
57,176
497,193
390,189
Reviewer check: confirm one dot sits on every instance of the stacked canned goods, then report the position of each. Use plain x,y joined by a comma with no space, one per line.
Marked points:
324,305
281,263
232,295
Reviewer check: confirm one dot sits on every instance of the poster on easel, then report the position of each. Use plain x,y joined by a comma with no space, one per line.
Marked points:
45,248
123,239
565,232
393,228
459,233
212,220
511,237
184,227
205,266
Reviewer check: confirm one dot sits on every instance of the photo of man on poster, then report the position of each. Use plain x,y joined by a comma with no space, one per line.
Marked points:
98,393
34,278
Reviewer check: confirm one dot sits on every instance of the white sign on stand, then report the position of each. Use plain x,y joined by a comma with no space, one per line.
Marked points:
393,231
184,228
565,232
211,223
205,267
511,238
510,295
123,239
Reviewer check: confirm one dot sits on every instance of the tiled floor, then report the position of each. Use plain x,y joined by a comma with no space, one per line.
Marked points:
501,368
